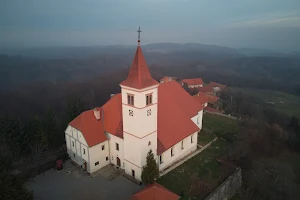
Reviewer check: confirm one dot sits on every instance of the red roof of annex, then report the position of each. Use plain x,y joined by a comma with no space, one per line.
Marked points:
155,192
193,81
214,84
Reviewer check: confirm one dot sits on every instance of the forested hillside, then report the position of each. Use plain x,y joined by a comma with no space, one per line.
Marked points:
40,95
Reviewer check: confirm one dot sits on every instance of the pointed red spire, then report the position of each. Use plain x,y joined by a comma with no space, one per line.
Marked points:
139,76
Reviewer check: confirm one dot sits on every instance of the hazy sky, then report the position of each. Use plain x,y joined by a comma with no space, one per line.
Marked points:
273,24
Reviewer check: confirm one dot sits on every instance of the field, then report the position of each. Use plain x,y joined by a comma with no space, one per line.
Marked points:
197,177
282,102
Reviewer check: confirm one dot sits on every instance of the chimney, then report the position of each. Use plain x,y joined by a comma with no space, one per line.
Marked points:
97,113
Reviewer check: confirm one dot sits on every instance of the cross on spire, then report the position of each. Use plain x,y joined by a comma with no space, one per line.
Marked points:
139,33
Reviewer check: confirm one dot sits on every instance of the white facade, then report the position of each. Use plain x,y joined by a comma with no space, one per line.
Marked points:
178,151
130,152
89,158
98,156
198,119
116,150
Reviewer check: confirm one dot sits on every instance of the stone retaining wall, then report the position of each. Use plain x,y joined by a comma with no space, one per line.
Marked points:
227,188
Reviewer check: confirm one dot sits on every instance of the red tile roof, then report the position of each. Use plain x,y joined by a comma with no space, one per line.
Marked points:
167,78
205,89
113,122
212,99
201,98
139,76
110,121
175,110
173,101
193,81
214,84
91,128
181,97
155,192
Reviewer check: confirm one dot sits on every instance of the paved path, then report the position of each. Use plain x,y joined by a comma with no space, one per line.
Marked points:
78,185
187,158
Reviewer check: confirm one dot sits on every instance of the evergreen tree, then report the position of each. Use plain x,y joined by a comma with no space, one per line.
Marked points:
51,129
74,107
11,135
150,172
11,187
38,140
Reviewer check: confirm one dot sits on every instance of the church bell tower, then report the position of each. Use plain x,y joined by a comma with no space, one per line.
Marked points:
139,109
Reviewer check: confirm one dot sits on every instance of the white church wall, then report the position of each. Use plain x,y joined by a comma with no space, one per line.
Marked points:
73,147
74,133
132,150
147,143
73,144
130,168
178,153
81,138
136,150
198,119
114,153
78,151
141,123
98,156
144,118
84,152
68,141
68,131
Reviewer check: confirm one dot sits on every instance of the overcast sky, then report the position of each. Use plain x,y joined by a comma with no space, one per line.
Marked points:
273,24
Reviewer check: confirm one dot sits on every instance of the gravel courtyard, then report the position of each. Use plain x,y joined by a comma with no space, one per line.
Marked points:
77,185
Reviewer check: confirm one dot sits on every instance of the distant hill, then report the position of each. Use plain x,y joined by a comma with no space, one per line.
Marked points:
79,52
160,48
260,52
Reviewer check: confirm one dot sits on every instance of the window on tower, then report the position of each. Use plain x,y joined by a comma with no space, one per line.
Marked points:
130,99
148,99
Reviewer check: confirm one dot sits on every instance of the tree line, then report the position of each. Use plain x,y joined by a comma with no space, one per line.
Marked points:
265,145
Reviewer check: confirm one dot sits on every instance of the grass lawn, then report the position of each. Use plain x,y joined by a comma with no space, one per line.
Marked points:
283,102
218,125
205,136
204,166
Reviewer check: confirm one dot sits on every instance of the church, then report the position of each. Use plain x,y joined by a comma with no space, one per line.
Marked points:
146,115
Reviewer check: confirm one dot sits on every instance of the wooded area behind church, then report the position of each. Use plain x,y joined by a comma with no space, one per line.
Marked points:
265,142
